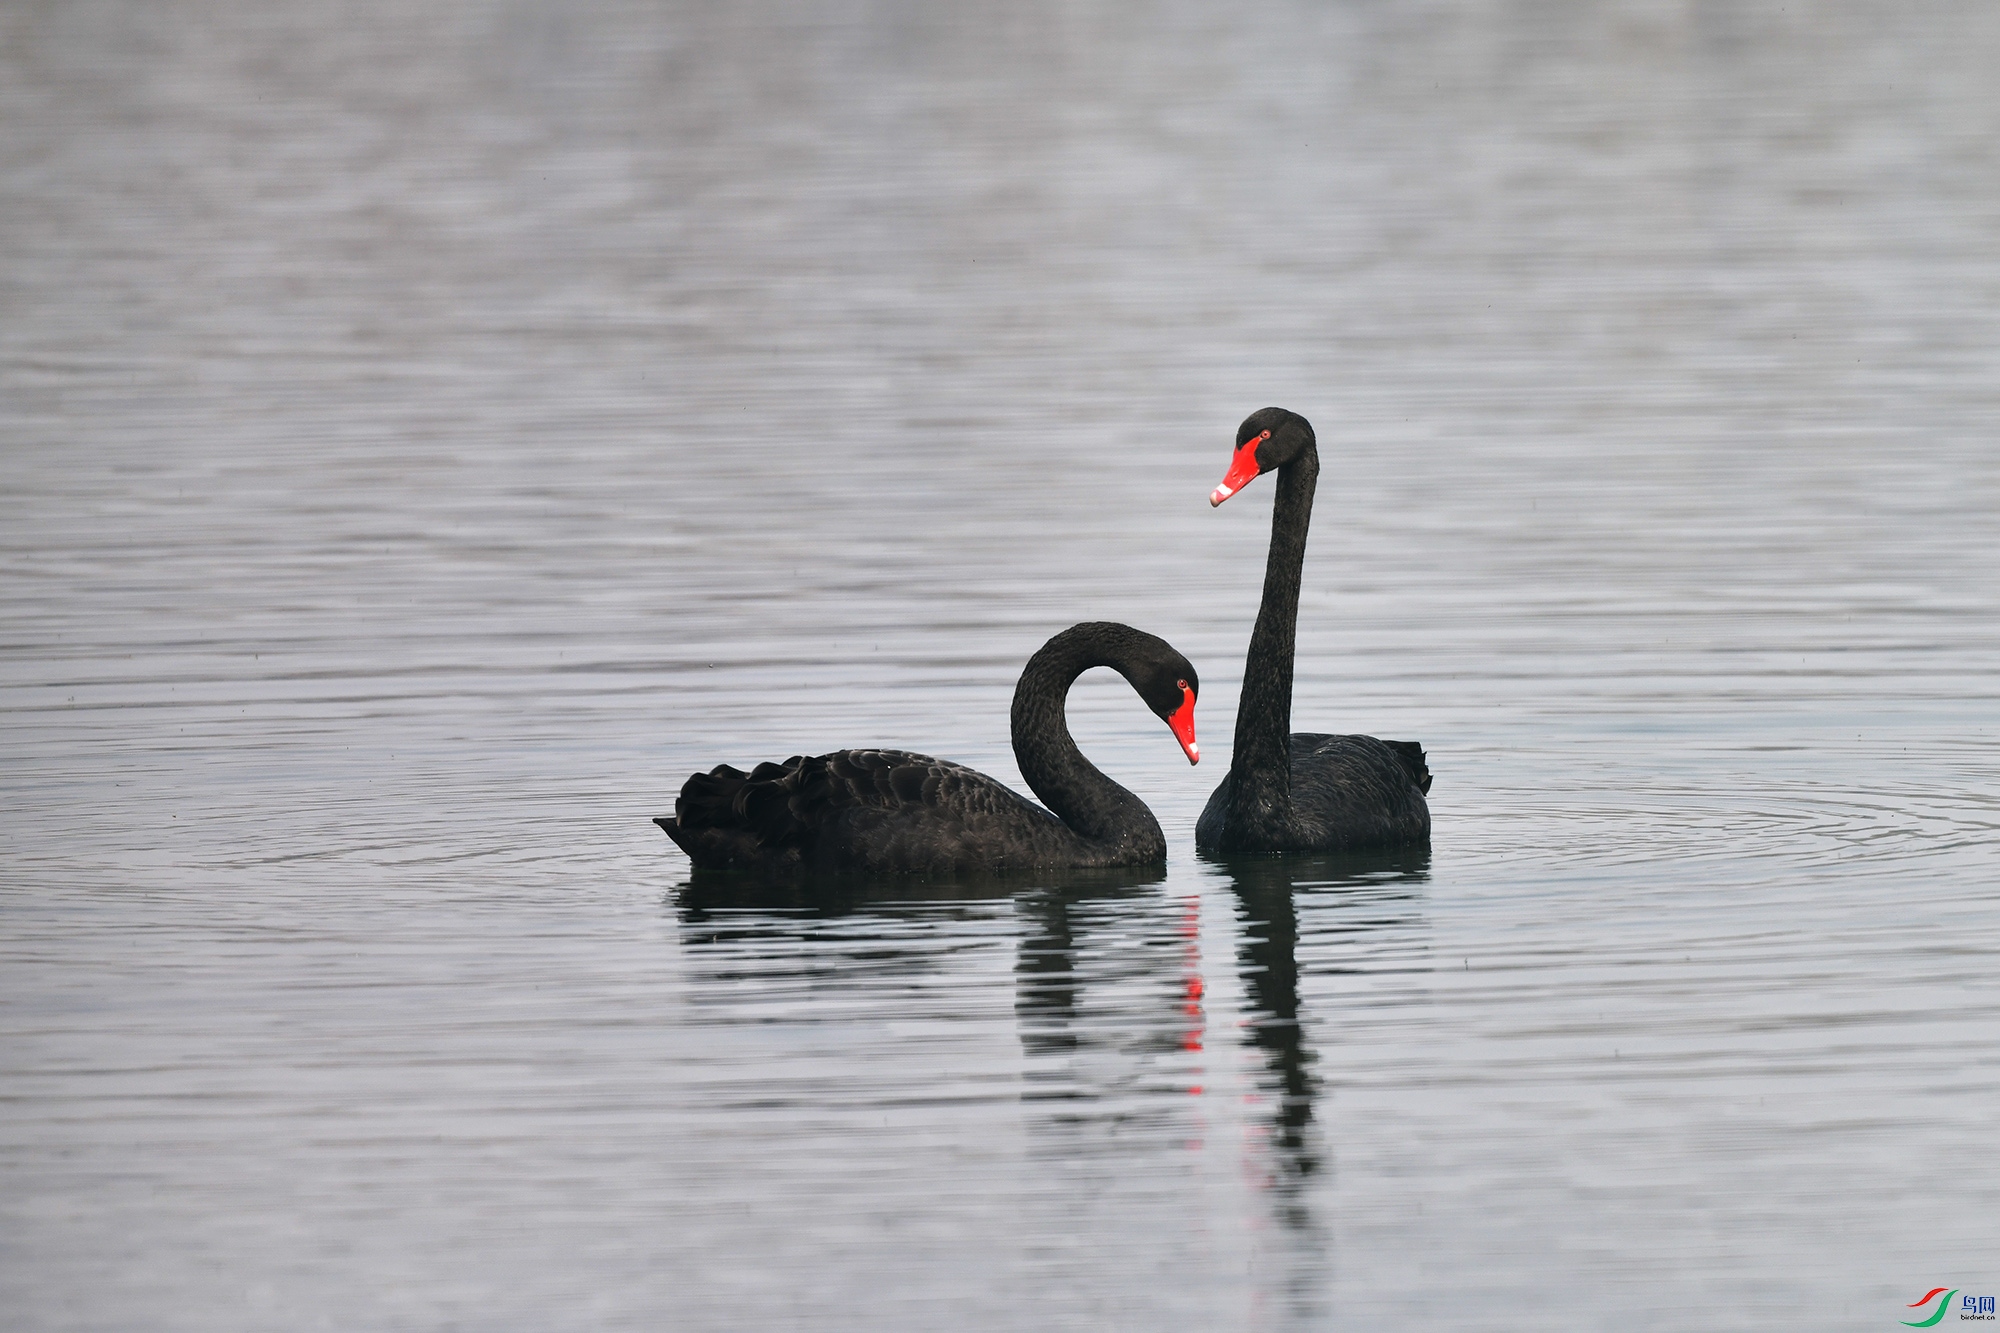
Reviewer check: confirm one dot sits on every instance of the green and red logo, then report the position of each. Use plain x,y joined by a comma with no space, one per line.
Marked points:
1936,1314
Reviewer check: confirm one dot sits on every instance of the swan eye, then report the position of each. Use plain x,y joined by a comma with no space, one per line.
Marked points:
1183,685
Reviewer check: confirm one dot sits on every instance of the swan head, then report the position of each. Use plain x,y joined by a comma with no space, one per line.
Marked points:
1265,442
1168,684
1164,680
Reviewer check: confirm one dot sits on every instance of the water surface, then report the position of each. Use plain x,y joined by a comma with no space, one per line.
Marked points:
429,433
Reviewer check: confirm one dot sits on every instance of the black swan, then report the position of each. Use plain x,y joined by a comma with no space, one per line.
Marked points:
1300,791
891,812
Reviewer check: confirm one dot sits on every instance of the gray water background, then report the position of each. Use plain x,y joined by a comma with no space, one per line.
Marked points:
429,432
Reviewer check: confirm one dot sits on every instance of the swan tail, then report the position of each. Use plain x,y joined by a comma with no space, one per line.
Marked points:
758,803
775,813
727,817
684,838
1411,756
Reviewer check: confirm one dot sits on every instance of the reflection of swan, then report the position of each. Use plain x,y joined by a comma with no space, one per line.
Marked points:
711,891
1269,891
1046,986
1101,1003
1300,792
717,909
890,812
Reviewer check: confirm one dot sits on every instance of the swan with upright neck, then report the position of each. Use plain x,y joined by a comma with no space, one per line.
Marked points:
1299,791
892,812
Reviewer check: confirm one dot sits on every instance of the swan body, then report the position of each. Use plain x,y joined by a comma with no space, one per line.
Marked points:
1348,793
892,812
1287,791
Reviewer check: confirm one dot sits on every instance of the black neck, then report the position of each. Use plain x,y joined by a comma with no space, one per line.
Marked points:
1260,767
1093,806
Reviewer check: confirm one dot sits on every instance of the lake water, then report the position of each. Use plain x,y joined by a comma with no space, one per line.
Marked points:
430,432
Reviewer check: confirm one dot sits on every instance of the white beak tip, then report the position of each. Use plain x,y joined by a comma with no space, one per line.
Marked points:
1220,494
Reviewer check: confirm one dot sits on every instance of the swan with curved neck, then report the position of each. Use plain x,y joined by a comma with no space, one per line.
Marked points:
1299,791
892,812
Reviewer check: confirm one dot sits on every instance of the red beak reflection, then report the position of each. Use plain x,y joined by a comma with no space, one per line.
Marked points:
1182,721
1242,470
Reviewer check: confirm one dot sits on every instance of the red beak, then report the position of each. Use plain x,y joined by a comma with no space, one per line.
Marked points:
1242,470
1182,721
